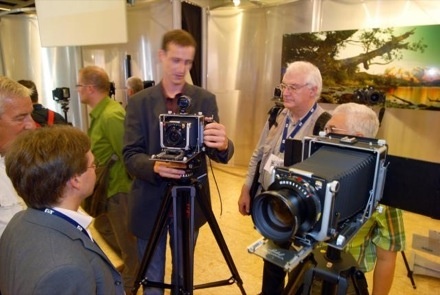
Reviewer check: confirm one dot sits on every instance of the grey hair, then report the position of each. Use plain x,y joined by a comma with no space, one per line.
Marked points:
11,89
360,119
135,83
310,72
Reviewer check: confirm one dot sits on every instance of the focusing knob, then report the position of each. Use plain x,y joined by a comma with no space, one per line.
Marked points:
334,186
183,102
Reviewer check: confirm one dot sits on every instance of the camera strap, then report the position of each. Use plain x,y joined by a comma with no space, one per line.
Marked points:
52,211
297,127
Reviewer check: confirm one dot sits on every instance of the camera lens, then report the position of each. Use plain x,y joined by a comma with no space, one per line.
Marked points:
375,97
283,210
174,136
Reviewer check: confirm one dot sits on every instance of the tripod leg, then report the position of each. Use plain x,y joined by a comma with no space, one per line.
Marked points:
219,237
359,282
159,225
183,212
296,276
409,271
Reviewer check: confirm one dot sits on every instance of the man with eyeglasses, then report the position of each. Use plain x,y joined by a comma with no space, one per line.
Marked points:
376,244
301,89
47,248
106,134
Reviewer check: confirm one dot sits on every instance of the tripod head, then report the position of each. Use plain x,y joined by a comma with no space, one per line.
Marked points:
191,167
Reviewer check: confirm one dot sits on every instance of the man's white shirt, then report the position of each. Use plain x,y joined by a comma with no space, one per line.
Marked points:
10,202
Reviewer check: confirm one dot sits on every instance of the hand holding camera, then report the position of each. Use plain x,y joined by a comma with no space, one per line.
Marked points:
214,136
174,170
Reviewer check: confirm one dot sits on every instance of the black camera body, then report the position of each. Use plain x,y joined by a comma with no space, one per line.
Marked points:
61,94
369,96
326,197
181,135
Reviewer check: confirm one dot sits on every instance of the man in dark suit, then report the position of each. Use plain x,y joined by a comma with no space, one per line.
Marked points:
47,249
142,141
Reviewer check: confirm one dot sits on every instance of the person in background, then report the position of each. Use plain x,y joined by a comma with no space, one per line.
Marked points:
15,118
134,85
376,244
41,115
142,141
301,89
47,249
106,134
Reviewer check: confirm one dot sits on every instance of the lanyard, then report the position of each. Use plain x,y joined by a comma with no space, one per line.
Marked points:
296,129
66,218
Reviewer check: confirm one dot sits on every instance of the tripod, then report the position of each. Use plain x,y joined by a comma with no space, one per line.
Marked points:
184,197
64,107
334,268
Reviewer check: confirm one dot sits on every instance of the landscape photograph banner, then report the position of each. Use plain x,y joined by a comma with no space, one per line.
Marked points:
397,67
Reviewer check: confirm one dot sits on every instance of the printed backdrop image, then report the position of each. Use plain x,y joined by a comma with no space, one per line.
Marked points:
392,67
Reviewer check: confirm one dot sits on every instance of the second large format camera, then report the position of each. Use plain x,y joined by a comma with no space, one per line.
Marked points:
181,135
326,197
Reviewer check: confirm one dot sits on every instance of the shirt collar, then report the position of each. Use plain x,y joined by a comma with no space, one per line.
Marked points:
80,217
99,108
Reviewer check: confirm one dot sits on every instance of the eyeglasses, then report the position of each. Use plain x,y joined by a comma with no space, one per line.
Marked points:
336,130
83,85
291,87
93,166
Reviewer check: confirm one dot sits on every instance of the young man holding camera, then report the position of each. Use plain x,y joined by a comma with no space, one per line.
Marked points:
142,141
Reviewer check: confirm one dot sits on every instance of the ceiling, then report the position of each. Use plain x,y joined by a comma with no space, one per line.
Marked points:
11,5
20,6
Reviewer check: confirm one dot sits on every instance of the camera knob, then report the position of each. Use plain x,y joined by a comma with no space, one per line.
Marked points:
334,186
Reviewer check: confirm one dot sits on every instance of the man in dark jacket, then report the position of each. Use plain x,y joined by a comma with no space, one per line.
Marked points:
142,141
47,249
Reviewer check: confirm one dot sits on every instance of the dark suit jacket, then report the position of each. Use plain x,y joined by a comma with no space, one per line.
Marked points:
45,254
142,140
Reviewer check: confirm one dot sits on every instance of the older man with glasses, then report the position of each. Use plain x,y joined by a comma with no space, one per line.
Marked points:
15,118
376,244
301,89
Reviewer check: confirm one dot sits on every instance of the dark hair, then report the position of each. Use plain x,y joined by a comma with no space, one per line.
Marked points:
31,85
178,37
40,162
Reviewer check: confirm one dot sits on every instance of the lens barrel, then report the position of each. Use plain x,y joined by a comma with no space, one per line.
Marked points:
288,207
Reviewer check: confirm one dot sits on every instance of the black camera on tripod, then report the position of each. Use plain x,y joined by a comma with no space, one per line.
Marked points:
325,198
61,94
181,135
369,96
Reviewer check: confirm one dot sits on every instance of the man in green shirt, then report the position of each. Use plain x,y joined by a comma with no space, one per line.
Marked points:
106,133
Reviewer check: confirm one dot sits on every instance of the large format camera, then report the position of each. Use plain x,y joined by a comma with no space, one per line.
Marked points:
325,198
181,135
